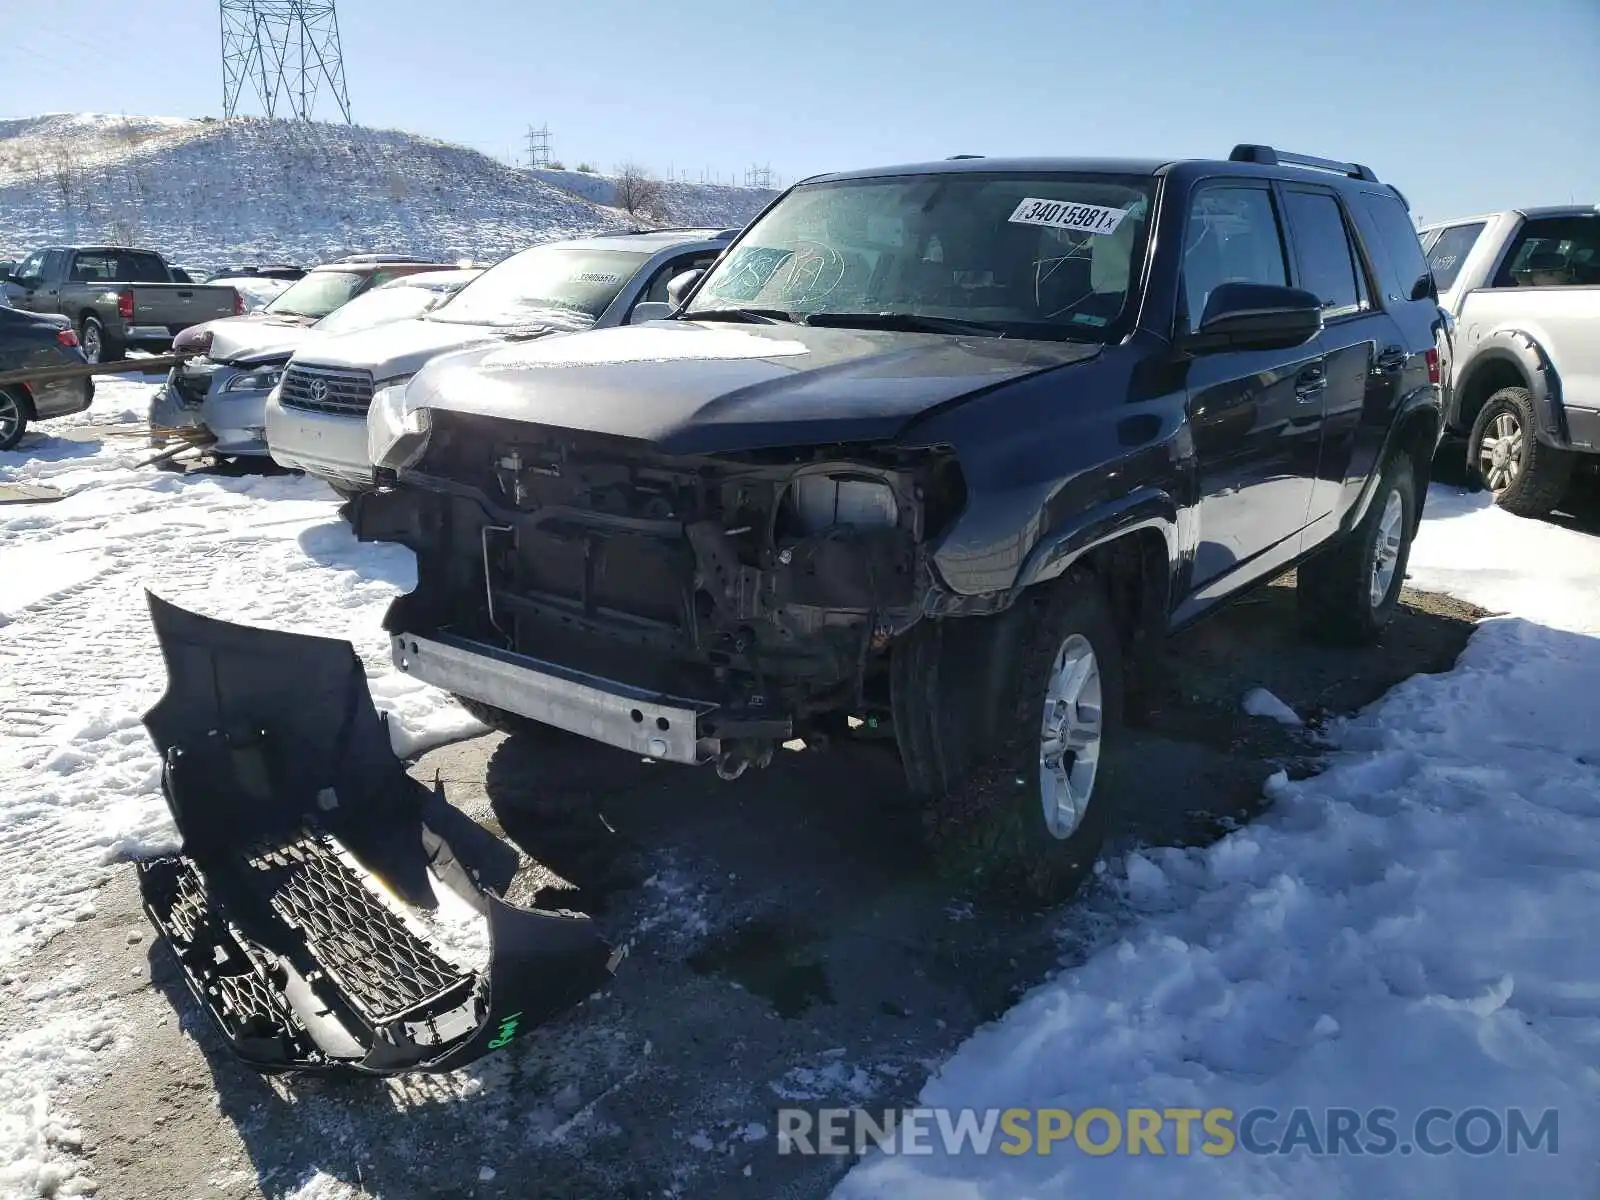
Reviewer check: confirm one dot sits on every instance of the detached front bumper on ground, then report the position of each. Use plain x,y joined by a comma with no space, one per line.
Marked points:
311,860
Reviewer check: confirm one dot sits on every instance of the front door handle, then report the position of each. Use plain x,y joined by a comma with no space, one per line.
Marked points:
1311,383
1392,358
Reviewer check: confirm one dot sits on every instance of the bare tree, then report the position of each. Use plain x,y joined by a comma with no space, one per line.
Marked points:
64,170
639,193
123,231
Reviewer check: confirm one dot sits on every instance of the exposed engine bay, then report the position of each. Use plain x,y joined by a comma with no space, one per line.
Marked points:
760,589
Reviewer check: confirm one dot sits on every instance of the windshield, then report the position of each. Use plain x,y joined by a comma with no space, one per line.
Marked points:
1029,255
377,307
317,294
525,285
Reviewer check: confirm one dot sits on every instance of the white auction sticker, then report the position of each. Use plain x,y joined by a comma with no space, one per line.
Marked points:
1062,214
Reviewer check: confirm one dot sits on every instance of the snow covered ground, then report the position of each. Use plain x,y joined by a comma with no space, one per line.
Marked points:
1414,928
79,783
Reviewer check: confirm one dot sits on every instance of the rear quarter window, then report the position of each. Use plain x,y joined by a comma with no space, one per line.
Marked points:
1449,251
1401,261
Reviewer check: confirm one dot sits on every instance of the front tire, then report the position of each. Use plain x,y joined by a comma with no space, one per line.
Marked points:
1527,477
1349,592
1026,824
13,420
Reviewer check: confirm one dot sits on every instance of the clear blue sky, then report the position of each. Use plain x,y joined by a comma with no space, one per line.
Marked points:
1466,105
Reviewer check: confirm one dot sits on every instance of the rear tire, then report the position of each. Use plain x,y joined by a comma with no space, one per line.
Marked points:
1527,477
1348,593
96,344
13,420
1022,820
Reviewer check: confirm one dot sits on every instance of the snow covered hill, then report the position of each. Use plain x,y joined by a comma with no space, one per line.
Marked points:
208,193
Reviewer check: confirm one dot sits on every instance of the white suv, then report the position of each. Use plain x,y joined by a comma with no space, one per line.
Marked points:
317,417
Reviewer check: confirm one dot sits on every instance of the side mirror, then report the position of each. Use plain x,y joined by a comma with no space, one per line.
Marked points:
649,310
1424,288
1255,316
679,285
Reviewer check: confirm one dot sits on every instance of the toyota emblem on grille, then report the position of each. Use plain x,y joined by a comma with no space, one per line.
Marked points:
317,391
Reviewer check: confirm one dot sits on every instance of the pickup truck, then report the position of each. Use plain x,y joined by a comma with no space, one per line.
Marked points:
1523,287
116,298
943,450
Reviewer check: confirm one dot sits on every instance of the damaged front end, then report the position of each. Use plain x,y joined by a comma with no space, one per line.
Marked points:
304,909
692,608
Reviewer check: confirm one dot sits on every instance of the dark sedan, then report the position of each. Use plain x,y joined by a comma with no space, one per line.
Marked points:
30,341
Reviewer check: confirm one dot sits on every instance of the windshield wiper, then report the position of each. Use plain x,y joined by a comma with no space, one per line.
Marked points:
758,316
904,321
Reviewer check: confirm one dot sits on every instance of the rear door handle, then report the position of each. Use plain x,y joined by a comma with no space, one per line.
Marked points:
1311,382
1392,358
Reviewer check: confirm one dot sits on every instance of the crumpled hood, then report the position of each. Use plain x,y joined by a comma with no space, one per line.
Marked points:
252,340
399,348
703,387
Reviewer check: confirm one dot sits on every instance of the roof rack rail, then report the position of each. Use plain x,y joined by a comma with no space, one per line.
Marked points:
1268,157
956,157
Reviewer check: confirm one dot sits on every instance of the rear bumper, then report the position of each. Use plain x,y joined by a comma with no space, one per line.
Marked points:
62,397
651,725
330,447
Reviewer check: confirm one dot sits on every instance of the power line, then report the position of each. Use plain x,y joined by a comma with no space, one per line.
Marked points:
288,51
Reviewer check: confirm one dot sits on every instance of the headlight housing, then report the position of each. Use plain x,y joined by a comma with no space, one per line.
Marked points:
262,379
396,433
824,501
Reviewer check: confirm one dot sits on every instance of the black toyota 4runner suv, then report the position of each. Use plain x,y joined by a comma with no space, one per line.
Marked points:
943,448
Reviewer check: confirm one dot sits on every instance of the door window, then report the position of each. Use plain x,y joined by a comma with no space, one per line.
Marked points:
1329,267
657,291
1233,237
30,267
1554,252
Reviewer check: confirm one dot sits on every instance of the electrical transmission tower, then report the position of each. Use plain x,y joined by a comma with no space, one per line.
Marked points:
758,177
287,50
539,146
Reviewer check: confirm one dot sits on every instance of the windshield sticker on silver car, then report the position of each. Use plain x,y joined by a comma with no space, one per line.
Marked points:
593,277
1061,214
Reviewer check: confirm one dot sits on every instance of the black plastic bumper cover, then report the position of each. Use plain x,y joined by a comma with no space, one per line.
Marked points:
297,818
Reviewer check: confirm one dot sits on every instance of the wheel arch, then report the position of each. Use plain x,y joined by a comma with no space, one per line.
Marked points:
1512,358
1414,432
24,399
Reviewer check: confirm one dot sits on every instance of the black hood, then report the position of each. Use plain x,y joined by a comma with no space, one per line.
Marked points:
703,387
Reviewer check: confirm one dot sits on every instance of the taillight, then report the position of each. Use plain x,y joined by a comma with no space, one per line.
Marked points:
67,337
238,303
125,305
1432,357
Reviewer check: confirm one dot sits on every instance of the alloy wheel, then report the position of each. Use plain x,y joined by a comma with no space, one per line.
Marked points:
1069,736
1391,532
1502,451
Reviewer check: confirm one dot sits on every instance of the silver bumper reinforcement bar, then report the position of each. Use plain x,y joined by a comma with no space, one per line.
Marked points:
647,723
